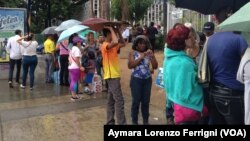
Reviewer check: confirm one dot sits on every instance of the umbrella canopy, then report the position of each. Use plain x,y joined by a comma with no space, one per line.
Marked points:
210,6
238,22
67,24
75,29
84,33
97,24
49,30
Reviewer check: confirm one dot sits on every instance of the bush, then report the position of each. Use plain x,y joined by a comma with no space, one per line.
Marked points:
159,41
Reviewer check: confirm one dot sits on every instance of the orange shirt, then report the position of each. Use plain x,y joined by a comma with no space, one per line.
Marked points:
111,66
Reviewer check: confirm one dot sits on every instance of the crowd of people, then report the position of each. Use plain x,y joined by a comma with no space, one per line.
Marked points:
201,83
200,70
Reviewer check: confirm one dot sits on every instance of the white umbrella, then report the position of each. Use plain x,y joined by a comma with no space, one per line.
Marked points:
67,24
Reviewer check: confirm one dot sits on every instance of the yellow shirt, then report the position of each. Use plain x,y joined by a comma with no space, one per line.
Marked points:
111,66
49,46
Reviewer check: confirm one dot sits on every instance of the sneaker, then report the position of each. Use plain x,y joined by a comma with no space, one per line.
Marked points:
31,88
10,84
22,86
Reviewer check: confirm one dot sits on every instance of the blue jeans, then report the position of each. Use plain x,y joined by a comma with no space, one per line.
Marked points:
49,61
226,105
141,92
29,65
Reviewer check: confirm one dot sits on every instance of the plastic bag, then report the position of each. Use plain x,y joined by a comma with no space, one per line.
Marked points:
159,79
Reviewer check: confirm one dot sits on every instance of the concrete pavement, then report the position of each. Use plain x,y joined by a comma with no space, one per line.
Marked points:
48,114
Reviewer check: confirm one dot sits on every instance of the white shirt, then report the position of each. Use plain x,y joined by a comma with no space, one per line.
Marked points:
13,48
125,33
29,47
74,53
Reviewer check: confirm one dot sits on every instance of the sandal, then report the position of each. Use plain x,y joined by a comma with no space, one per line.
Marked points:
75,98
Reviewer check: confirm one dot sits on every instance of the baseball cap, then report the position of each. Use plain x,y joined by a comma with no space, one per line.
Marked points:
208,26
77,39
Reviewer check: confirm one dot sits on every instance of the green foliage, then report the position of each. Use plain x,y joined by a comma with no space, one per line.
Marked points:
116,11
12,3
159,41
135,6
60,10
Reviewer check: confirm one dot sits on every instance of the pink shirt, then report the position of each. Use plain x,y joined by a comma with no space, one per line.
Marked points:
64,50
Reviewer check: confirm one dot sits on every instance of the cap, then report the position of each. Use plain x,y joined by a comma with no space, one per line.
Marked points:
208,26
77,39
188,25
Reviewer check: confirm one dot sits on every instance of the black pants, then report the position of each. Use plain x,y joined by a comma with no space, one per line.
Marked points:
18,63
226,105
141,92
152,42
64,71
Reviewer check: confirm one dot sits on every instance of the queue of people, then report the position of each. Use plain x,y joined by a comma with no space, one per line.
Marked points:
200,70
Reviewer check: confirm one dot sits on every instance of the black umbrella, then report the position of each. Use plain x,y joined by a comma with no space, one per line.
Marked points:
210,6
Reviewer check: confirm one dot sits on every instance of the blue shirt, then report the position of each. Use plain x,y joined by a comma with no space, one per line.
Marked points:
224,54
141,71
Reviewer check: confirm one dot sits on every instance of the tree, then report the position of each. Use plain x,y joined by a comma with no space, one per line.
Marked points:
125,10
136,9
104,9
60,10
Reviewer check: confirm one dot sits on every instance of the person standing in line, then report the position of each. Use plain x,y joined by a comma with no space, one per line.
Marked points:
226,94
141,81
125,33
180,77
90,71
75,67
151,32
112,73
50,58
243,75
13,48
64,62
29,59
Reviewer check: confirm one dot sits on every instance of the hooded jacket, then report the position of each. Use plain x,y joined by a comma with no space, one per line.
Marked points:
180,80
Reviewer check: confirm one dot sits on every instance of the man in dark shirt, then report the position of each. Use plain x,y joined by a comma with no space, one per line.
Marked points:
151,31
224,53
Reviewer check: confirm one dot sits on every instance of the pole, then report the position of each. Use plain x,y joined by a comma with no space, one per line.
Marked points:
28,16
49,14
165,15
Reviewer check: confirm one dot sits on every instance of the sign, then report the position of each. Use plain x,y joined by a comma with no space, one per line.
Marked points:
11,19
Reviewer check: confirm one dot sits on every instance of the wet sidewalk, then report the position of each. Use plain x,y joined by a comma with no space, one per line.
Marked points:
48,114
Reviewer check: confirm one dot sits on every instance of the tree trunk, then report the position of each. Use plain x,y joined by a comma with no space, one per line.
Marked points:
125,10
91,9
104,4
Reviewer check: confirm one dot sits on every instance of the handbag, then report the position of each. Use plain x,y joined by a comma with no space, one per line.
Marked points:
203,68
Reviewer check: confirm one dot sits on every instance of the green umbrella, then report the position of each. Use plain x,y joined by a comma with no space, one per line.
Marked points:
239,21
85,33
